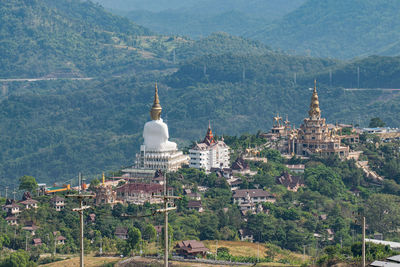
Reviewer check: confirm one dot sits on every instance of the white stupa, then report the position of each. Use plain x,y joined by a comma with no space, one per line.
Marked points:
156,153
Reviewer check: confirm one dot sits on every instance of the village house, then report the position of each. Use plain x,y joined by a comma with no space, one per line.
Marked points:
60,240
291,182
195,205
192,195
30,227
191,248
240,166
234,183
297,168
37,242
121,233
58,202
245,235
222,172
252,195
12,220
11,208
28,202
140,193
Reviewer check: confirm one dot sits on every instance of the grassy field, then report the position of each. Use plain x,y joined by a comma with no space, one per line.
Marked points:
90,261
239,248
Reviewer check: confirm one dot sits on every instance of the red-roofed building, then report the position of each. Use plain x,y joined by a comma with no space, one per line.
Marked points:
209,154
191,248
140,193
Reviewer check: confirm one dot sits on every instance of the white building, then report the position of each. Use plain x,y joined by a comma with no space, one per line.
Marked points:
209,154
156,153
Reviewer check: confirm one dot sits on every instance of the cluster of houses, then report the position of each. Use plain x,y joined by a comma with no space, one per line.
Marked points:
13,208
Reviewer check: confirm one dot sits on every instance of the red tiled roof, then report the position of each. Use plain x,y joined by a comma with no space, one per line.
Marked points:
141,187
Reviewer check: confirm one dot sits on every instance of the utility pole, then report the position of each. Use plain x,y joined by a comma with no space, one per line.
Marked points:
80,210
26,241
14,193
165,210
358,77
363,242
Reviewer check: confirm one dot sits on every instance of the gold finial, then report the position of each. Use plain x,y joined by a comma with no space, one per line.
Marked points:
314,112
155,112
103,179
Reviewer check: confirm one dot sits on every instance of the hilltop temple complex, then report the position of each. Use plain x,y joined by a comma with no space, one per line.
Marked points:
156,152
314,136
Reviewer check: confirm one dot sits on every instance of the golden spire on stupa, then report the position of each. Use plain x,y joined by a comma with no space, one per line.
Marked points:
314,111
155,112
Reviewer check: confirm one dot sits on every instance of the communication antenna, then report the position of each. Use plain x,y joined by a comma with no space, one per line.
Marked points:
330,77
358,77
244,74
295,78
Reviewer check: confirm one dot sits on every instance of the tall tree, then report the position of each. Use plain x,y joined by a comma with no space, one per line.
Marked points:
27,183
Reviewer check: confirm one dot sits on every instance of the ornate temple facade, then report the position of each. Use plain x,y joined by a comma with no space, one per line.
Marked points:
210,153
156,153
314,136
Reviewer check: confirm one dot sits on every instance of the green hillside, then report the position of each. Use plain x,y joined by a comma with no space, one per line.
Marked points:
71,37
336,28
55,129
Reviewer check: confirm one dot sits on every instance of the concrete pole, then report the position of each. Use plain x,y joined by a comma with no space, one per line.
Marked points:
81,230
165,223
363,242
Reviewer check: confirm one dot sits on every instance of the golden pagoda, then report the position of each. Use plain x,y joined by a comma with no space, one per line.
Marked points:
155,112
314,136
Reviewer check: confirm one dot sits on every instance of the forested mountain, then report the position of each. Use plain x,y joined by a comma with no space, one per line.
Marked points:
40,37
200,18
54,129
336,28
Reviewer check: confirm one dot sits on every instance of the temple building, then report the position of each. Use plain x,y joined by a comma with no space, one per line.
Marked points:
314,136
156,153
210,153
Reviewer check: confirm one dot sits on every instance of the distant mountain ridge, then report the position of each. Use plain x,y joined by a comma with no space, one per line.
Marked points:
336,28
201,18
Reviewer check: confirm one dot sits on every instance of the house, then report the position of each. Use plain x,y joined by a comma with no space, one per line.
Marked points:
192,195
13,209
195,205
191,248
12,220
291,182
121,233
234,183
91,218
140,193
240,166
58,202
29,203
37,242
245,235
30,227
297,168
252,195
60,240
222,172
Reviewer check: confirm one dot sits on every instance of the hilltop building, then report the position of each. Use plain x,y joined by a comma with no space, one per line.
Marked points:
140,193
156,153
314,136
104,194
210,153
